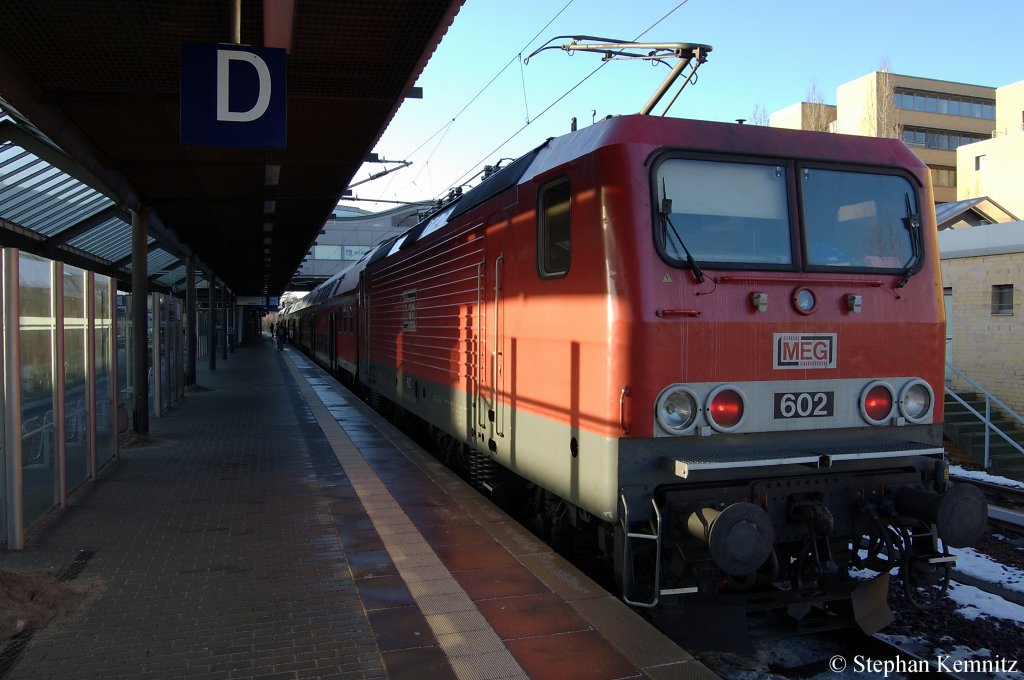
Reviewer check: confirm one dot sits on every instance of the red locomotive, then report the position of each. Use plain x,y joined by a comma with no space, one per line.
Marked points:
711,353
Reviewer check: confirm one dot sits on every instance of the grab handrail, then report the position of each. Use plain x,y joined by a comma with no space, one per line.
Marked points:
987,417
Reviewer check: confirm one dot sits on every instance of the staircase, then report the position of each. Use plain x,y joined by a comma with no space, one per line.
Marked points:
967,431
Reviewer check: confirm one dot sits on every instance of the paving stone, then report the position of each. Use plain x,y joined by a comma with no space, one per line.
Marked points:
216,548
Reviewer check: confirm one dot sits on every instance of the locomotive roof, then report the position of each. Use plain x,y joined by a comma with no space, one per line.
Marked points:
727,138
650,131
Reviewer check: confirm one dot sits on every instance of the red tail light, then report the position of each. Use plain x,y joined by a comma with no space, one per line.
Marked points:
878,403
726,409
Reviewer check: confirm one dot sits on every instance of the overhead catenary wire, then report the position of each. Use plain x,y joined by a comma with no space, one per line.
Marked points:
522,76
517,57
473,169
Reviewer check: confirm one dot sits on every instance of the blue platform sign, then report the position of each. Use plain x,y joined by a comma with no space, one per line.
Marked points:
233,96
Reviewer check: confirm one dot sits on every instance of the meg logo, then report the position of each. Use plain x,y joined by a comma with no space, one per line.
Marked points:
797,350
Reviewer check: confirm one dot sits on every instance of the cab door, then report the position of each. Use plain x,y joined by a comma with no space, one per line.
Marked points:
332,341
492,403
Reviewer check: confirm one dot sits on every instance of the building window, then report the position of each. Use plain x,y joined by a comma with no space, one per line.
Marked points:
943,177
326,252
938,139
932,102
980,162
1002,300
554,233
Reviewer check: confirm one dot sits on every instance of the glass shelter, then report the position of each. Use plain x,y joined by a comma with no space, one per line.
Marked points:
65,245
59,388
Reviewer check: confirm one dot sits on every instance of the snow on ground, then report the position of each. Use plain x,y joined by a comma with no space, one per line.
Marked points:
973,603
979,565
957,471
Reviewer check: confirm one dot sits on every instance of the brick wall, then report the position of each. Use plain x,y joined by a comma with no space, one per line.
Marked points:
987,347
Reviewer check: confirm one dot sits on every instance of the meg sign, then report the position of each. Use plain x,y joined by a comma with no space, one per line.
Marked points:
233,96
798,350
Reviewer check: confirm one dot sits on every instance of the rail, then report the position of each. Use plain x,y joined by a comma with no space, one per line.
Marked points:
987,417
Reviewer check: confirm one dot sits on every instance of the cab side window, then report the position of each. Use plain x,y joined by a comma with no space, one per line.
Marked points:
554,237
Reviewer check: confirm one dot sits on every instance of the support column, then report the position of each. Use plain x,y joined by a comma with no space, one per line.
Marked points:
13,494
140,321
236,324
224,321
158,350
59,401
191,337
115,403
211,326
90,376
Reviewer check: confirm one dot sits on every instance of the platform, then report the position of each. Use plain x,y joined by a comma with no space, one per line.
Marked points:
276,527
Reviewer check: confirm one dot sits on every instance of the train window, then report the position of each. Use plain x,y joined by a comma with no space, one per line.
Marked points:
858,220
554,234
723,213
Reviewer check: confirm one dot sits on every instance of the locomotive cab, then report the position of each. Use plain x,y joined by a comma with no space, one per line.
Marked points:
786,349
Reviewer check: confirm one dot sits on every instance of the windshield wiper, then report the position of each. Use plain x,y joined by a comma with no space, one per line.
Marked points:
912,223
666,210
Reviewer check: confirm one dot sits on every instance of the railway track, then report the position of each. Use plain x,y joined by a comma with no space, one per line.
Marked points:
846,654
1006,506
1006,496
917,643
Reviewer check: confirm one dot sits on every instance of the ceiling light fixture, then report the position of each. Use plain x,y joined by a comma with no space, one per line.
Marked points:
272,175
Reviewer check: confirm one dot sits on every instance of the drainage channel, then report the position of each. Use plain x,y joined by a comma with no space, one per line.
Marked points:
11,652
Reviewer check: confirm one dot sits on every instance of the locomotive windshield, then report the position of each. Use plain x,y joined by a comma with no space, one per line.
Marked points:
725,212
737,215
853,219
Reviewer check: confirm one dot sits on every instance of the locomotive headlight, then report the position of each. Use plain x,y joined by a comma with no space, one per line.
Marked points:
804,300
676,409
916,400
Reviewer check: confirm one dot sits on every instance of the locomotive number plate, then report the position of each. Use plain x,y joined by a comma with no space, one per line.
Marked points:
804,404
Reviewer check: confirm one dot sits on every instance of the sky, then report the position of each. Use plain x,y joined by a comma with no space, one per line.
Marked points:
481,103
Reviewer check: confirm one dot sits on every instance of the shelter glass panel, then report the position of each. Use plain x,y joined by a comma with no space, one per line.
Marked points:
202,333
104,384
3,433
123,355
166,353
40,197
76,363
36,337
151,396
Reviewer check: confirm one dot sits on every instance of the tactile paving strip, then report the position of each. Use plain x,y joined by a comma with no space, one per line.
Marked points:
411,555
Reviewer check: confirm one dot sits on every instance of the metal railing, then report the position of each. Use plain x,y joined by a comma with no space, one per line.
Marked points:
987,417
1007,131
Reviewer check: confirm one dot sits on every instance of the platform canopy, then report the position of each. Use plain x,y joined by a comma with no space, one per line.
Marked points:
100,81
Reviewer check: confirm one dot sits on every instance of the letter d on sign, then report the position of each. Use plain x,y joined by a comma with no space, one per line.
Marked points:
224,111
234,96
